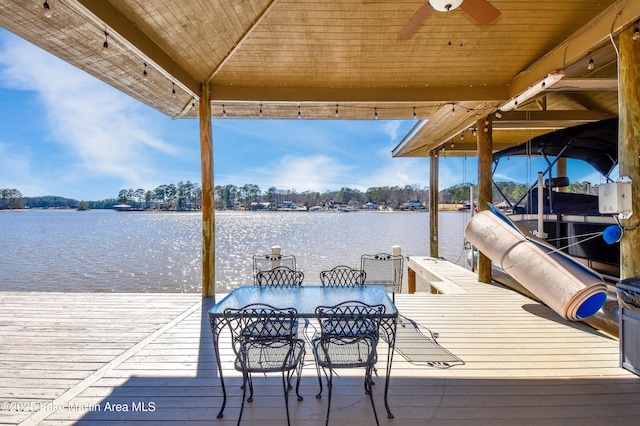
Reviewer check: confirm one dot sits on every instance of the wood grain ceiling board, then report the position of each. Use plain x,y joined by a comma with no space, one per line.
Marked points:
314,54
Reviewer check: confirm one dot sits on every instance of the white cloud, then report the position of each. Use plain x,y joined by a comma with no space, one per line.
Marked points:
103,134
316,173
391,128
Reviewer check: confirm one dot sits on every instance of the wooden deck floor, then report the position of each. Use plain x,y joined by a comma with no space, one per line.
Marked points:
85,358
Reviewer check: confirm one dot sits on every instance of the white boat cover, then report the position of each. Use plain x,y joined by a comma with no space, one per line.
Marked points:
571,289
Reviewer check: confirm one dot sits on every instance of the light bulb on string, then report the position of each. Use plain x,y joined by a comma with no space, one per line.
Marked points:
473,131
105,45
636,32
498,114
591,64
224,112
337,113
48,11
375,113
173,90
260,112
415,116
299,113
145,76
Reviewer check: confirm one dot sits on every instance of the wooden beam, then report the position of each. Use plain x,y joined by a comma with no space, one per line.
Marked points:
208,206
433,204
552,119
130,36
629,148
585,85
442,126
265,11
485,158
575,48
301,94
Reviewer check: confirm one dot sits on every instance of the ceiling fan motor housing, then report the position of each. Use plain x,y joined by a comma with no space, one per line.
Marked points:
445,5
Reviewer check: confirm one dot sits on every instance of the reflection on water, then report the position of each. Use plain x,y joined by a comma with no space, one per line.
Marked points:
107,251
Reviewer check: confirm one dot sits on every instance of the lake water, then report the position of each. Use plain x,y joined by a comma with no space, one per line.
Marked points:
108,251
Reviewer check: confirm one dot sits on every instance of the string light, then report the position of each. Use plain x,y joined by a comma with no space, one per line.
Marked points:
375,115
145,76
173,90
498,114
224,112
260,112
299,113
193,102
452,144
105,45
415,116
337,113
473,131
461,137
591,65
48,11
636,32
453,109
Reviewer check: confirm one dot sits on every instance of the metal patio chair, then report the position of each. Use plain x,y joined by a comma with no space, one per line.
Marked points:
385,270
264,341
349,335
265,262
280,276
342,276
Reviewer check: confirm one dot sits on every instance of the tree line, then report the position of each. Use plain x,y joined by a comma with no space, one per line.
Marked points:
238,197
182,196
188,196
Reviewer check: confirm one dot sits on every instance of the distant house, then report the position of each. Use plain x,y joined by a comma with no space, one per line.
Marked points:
289,205
370,206
259,206
412,205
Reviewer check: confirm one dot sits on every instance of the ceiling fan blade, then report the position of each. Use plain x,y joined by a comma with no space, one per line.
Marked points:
415,21
480,10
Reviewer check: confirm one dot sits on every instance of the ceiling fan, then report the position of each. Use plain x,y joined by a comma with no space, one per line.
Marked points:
480,10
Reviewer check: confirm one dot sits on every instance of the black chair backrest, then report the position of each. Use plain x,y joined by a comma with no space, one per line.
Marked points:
383,269
343,276
280,276
257,322
350,319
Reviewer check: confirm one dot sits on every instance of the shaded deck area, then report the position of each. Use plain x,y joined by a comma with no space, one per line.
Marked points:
148,359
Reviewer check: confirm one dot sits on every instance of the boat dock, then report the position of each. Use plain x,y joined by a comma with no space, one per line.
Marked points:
147,359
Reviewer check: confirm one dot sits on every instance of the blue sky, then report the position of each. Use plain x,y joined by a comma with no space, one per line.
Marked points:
64,132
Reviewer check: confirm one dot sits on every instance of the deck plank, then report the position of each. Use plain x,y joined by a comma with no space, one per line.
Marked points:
522,365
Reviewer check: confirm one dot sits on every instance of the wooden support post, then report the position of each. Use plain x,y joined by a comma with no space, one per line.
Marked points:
433,204
485,160
629,147
208,207
561,170
411,281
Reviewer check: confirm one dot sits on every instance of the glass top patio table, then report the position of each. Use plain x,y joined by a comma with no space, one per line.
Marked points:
305,299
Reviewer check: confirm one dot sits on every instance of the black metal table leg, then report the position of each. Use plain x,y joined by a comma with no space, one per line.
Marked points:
216,327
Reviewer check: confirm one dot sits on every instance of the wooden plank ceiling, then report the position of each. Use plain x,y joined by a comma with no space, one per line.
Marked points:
344,59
